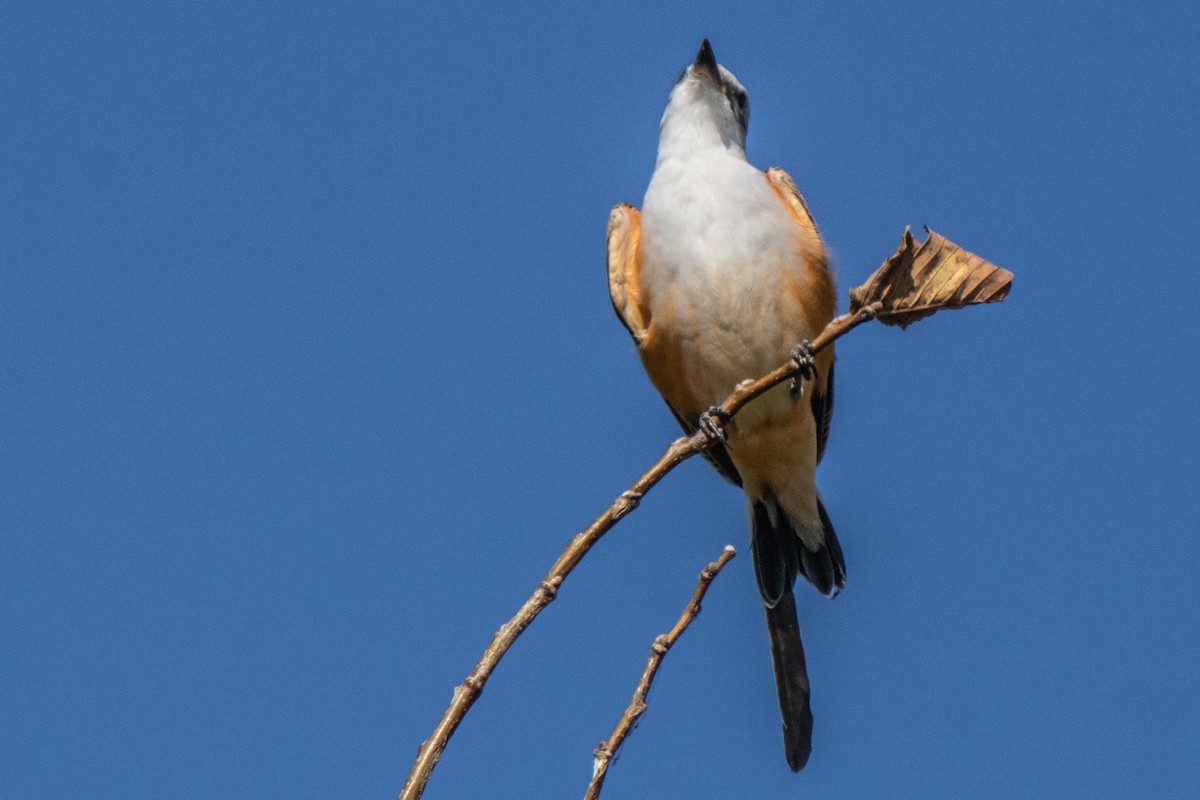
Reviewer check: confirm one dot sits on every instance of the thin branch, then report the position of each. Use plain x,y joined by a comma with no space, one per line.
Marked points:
679,451
913,283
607,750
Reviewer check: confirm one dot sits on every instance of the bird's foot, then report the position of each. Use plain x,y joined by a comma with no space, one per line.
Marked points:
713,422
804,358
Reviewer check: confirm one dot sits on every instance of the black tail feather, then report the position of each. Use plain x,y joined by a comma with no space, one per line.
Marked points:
791,680
835,550
779,555
825,568
817,568
775,554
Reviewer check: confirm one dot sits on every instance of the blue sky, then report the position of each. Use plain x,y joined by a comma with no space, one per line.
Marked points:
308,372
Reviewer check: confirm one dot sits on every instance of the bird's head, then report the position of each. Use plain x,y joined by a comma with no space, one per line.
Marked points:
707,107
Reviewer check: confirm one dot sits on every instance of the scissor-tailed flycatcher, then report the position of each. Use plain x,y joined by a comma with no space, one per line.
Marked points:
717,278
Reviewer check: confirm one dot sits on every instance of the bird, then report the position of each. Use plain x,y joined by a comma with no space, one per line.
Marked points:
720,277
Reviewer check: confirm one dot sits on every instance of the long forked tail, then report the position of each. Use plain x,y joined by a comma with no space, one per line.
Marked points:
779,555
791,679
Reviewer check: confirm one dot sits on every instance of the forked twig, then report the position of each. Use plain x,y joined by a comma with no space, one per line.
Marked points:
898,292
679,451
607,750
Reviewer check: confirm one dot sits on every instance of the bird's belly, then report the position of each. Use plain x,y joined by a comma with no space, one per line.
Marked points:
741,338
714,328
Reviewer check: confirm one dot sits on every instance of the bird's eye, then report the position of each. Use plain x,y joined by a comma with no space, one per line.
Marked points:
741,107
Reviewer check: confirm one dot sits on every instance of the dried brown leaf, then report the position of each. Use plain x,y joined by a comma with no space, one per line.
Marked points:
923,278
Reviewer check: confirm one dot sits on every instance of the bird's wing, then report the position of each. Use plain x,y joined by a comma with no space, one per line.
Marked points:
624,270
716,454
822,395
625,290
822,408
786,188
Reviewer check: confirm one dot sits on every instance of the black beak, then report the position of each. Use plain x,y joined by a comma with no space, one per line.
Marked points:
706,63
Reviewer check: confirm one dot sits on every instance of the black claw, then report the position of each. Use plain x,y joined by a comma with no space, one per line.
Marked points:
806,360
713,422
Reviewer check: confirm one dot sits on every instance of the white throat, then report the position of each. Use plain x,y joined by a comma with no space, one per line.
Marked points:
698,120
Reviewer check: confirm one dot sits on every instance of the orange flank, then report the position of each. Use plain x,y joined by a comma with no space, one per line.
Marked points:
662,357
